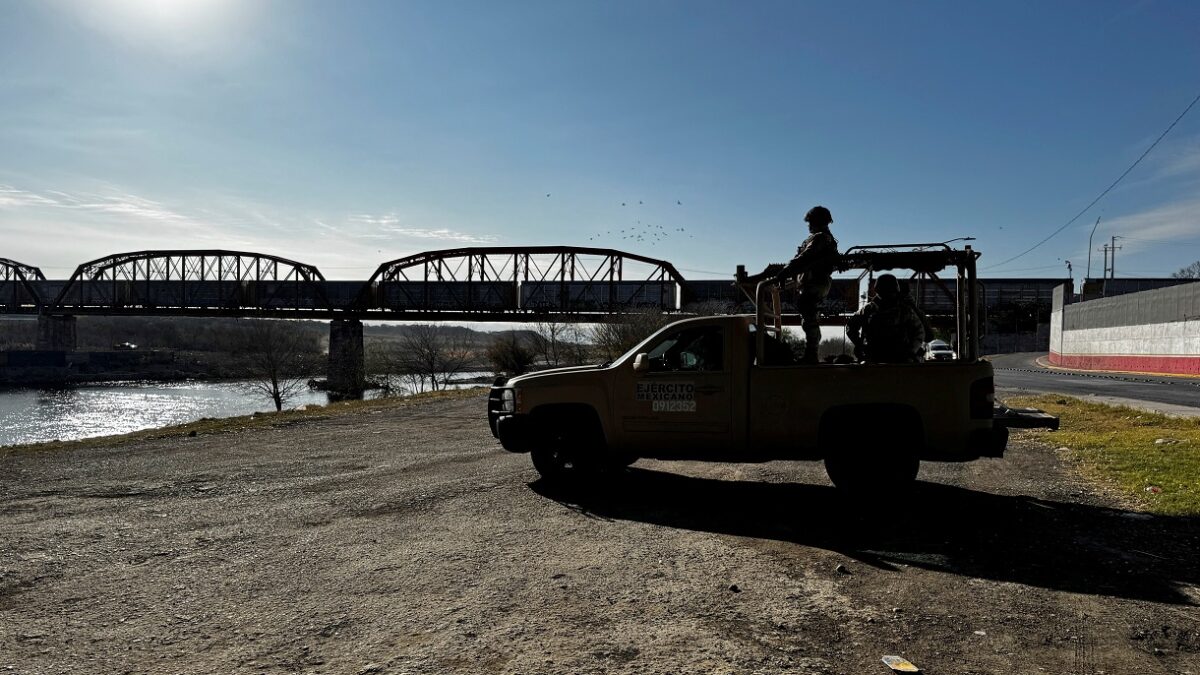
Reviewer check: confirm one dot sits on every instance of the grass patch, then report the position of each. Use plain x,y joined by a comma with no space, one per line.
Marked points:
257,420
1151,458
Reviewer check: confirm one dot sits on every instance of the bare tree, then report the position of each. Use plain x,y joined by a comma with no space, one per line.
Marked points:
279,357
1191,271
509,354
559,344
618,336
386,365
431,355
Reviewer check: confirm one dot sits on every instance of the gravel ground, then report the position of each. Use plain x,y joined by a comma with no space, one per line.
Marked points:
404,540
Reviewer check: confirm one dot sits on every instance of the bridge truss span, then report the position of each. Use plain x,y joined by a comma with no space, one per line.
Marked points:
548,280
17,285
188,281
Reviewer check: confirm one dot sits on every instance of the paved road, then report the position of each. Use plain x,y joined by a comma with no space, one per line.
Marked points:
1020,372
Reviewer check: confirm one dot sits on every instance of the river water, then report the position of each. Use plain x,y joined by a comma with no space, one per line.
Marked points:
86,411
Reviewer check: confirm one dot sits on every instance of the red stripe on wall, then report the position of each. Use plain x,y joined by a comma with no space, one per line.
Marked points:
1179,365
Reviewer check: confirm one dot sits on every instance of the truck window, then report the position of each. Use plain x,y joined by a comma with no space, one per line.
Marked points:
692,349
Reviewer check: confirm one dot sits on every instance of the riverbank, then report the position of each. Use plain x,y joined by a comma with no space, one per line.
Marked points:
211,425
71,412
397,536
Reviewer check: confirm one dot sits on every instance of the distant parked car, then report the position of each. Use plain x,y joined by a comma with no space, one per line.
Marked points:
939,350
124,346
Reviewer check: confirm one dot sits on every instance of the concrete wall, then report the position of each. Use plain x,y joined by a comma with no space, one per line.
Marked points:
1152,331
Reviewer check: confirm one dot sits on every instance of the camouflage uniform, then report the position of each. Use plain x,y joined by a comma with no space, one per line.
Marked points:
814,262
887,330
813,267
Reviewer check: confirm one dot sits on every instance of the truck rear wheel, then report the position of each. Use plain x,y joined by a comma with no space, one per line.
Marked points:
872,450
880,472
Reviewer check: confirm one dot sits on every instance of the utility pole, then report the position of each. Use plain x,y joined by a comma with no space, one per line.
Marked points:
1104,273
1113,264
1089,271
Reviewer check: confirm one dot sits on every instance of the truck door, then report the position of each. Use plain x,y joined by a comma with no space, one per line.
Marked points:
684,401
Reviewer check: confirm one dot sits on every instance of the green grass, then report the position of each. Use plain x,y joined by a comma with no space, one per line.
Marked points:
257,420
1120,447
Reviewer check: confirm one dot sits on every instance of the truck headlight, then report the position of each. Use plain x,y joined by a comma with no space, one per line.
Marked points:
508,401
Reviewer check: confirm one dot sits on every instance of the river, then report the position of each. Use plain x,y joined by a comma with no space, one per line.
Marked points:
86,411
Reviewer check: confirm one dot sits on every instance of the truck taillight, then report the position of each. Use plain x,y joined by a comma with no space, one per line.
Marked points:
983,398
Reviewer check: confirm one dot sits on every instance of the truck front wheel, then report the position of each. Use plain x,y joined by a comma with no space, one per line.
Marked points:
557,465
570,451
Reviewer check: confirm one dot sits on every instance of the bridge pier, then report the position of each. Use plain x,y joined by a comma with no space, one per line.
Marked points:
346,373
56,333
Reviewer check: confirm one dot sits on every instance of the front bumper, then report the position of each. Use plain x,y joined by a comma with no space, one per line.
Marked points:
515,431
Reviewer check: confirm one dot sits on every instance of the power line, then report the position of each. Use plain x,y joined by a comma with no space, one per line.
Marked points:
1106,190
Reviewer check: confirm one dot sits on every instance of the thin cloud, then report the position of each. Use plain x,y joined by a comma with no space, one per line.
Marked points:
119,204
327,227
1184,162
442,234
11,197
1176,221
387,225
367,219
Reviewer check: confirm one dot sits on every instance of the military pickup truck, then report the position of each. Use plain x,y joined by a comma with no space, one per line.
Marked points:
715,388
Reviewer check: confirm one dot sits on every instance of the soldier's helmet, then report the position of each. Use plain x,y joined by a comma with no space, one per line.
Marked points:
886,285
819,216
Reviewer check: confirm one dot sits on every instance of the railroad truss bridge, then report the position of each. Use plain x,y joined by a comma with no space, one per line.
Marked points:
511,284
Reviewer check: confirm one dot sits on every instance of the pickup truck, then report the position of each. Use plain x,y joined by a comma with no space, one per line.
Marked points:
708,388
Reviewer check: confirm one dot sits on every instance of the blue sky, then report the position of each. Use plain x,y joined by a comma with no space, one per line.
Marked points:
345,134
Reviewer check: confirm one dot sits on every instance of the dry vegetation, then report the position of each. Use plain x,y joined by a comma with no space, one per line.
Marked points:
1153,459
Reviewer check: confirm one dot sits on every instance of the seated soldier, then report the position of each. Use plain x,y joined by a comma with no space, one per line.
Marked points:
887,329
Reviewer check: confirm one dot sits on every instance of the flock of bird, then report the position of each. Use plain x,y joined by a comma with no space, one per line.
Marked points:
643,232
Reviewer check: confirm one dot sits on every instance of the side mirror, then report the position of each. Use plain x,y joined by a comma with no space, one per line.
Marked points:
641,363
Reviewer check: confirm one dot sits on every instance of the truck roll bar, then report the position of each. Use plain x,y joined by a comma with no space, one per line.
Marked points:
924,260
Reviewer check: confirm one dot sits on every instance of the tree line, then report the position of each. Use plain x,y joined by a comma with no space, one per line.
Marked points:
279,358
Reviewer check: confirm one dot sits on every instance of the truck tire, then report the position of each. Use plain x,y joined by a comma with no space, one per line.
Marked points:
872,450
556,465
569,452
881,472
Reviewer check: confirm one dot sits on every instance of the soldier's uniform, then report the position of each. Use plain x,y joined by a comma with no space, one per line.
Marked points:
887,330
817,257
815,260
813,266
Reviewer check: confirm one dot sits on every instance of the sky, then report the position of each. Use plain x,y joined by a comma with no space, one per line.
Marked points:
345,134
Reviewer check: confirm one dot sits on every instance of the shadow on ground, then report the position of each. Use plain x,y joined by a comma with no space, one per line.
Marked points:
1056,545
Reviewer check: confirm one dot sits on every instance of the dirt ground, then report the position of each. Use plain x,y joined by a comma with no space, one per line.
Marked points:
407,541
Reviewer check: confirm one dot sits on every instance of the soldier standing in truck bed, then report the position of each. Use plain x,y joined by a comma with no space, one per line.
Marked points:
887,329
813,268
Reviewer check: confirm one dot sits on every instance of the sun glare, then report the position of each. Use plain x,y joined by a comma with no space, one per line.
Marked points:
187,25
172,12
